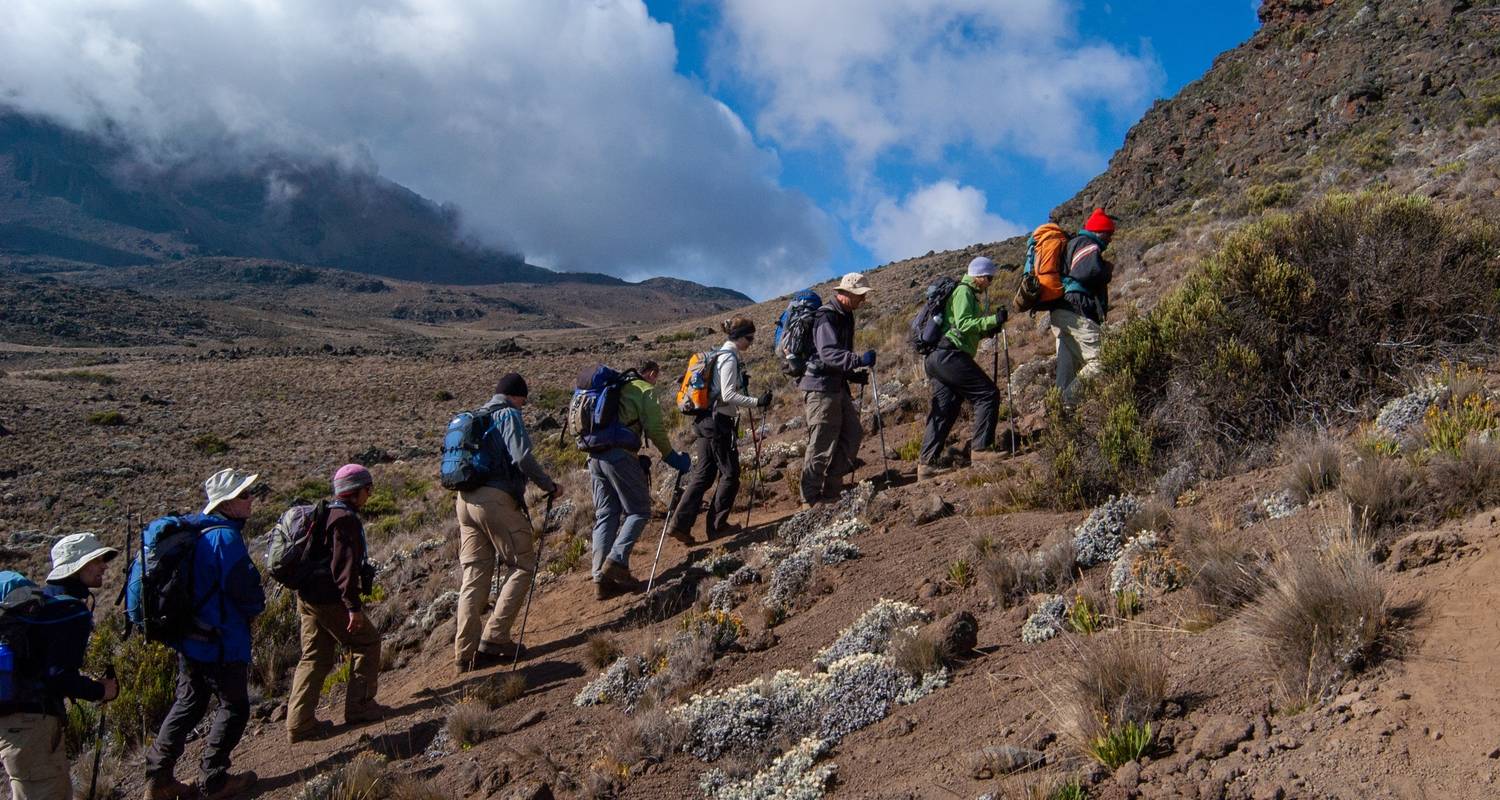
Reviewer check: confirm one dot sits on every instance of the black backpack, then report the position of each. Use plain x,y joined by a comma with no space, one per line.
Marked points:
159,596
27,615
930,324
298,547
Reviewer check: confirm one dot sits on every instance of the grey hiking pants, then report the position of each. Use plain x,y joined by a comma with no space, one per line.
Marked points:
622,505
199,682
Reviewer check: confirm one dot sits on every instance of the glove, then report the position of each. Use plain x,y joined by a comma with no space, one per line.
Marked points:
1001,315
678,461
868,359
858,378
765,400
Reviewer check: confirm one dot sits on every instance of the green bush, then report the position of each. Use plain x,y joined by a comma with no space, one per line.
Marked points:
1484,109
1300,318
107,419
310,490
381,503
277,633
1275,195
147,673
210,444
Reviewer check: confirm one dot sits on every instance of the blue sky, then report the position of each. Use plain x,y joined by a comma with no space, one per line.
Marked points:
1177,39
757,144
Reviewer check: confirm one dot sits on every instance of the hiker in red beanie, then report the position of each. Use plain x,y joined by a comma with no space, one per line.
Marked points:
1076,317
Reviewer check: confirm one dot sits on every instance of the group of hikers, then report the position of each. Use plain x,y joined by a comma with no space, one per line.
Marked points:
193,586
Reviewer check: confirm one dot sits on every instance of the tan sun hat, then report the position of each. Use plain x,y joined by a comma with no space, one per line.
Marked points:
854,283
226,484
74,551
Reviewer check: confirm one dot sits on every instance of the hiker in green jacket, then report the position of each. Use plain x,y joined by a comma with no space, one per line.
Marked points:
622,484
954,373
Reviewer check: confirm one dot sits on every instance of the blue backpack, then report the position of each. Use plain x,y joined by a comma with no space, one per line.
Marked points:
594,412
159,595
26,611
793,344
467,463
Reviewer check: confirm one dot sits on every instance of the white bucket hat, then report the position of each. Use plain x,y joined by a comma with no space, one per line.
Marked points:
74,551
854,283
226,484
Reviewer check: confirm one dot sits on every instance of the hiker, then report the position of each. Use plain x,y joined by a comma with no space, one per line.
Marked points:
214,661
621,480
494,527
33,719
833,428
716,452
1077,316
956,376
331,614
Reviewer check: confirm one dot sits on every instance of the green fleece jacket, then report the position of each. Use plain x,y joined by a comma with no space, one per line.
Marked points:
640,412
968,318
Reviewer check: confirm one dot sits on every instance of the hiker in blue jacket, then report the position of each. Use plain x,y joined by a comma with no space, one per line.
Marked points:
214,661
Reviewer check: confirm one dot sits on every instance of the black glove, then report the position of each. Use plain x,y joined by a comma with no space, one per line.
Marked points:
765,400
868,359
858,378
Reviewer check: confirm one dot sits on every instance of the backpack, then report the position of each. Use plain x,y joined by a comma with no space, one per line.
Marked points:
159,596
467,463
794,333
1042,277
24,611
930,324
696,395
296,538
594,412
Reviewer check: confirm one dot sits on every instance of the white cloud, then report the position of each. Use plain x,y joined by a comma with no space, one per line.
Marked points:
918,77
559,128
938,216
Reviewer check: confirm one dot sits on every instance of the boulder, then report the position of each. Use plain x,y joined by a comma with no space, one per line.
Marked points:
957,634
1217,736
1422,549
931,509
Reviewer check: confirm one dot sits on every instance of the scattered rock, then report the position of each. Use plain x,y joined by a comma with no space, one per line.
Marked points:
528,720
1004,759
1422,549
957,633
530,789
932,509
1128,776
1217,736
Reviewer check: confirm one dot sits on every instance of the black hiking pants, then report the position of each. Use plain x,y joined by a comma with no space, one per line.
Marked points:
957,377
716,455
197,683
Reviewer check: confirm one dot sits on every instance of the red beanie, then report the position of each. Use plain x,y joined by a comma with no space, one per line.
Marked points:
1099,222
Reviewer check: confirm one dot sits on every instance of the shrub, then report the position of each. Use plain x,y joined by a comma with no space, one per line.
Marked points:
147,674
278,641
210,444
309,490
1291,322
1449,426
1324,617
603,650
917,654
1118,744
1011,577
1086,614
1275,195
106,419
571,555
1465,482
1315,469
382,502
910,449
470,722
442,396
1112,682
1223,576
1382,493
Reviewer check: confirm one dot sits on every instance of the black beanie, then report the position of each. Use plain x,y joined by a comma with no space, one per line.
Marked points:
512,384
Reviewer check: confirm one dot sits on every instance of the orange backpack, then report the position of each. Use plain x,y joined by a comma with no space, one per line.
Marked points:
695,395
1042,278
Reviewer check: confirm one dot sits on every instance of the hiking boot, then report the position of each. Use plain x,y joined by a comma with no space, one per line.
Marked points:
929,471
312,733
681,535
500,652
165,787
224,786
603,589
365,713
619,577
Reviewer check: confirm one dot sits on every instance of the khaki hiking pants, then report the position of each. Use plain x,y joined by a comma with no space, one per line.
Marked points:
493,530
324,628
833,438
1077,350
31,747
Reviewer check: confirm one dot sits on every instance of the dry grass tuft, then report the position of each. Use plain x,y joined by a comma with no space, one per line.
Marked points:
496,690
916,654
1466,482
1383,494
470,722
1155,515
1111,681
1316,468
1011,577
603,650
1324,617
1226,575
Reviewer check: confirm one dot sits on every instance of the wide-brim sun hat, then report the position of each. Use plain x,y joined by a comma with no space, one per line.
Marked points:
854,283
74,551
225,485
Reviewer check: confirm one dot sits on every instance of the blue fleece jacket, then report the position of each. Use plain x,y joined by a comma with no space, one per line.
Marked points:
226,586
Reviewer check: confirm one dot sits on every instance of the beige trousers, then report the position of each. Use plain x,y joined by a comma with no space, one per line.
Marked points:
493,530
31,747
324,628
1077,350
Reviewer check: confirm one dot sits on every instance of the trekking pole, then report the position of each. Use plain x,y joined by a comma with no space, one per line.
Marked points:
1010,403
754,476
671,511
109,672
885,464
530,590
